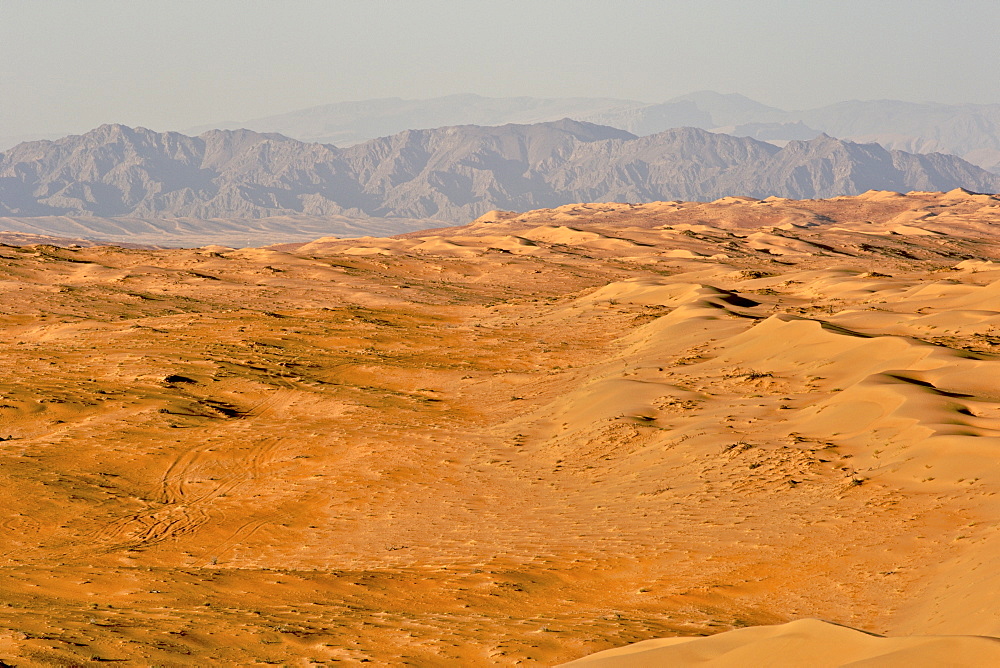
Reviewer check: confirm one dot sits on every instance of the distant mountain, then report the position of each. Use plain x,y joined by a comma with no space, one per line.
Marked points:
451,174
9,141
971,131
349,123
732,108
652,118
773,132
968,130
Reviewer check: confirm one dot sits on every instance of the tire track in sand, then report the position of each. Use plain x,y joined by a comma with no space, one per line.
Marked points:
184,509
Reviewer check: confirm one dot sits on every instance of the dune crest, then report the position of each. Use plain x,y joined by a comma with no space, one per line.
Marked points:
806,642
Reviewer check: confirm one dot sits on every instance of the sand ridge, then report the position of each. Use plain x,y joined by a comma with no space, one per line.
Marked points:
800,643
524,440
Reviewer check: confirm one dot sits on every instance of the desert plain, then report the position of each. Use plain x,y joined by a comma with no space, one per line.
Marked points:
516,442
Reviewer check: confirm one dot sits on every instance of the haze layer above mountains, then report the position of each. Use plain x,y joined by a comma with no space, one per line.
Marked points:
971,131
450,174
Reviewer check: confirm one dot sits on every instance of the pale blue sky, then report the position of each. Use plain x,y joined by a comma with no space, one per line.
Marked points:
69,65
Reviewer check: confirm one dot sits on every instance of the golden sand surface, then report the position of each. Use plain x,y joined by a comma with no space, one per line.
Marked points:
521,441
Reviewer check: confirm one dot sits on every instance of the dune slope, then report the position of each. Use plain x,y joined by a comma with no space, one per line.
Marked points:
806,642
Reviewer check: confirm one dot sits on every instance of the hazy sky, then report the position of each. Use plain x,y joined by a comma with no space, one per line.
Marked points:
70,65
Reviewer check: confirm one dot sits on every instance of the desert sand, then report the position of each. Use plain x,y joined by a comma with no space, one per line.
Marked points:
521,441
806,642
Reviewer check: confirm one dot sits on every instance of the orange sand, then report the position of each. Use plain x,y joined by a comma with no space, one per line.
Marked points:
525,440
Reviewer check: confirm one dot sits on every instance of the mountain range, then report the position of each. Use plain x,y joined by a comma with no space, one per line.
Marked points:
971,131
450,174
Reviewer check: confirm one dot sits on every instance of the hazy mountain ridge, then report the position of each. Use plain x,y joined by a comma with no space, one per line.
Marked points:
451,174
348,123
971,131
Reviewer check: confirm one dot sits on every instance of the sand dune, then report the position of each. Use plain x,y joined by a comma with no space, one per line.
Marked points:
805,642
696,426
